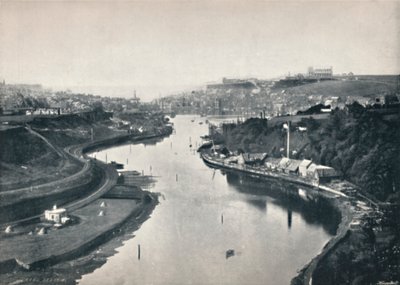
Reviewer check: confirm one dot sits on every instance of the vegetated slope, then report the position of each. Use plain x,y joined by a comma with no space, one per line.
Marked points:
362,145
255,135
18,146
71,129
344,88
25,157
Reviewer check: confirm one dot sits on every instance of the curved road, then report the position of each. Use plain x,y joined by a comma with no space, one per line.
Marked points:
73,151
109,179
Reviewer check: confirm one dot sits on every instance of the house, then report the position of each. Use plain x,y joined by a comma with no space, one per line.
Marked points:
283,164
293,166
305,163
310,173
272,163
255,159
326,174
57,215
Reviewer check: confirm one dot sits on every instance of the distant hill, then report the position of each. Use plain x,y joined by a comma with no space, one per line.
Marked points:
365,87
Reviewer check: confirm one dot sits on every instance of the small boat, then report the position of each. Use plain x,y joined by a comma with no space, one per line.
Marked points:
117,165
229,253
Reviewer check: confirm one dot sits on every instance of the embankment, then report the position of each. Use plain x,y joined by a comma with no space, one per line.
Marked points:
347,214
26,159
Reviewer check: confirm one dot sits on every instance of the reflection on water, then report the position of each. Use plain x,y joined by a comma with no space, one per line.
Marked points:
204,212
314,209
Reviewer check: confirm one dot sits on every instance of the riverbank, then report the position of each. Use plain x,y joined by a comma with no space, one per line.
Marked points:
347,217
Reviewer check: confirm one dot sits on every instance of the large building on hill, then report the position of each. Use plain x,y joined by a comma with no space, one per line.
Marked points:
320,73
233,83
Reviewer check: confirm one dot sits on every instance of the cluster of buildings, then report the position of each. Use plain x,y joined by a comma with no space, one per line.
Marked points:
33,99
302,168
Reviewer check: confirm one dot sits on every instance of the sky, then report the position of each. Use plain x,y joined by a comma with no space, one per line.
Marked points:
157,47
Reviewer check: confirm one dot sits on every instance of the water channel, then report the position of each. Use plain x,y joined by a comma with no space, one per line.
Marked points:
205,212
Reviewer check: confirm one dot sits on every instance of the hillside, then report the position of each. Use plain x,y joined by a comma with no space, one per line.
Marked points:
342,89
362,145
26,159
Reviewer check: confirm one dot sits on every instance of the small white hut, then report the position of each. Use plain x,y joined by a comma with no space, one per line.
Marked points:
57,215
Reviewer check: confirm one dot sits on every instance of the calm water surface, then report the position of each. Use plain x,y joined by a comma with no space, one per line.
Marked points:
185,240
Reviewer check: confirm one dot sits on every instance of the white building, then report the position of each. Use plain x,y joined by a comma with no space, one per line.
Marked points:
57,215
303,167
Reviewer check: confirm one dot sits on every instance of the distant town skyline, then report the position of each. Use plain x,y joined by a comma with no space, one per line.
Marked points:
111,48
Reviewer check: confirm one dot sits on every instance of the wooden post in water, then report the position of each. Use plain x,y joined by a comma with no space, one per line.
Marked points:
222,218
176,177
138,251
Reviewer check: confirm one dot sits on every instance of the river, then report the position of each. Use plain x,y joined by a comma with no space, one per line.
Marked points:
205,212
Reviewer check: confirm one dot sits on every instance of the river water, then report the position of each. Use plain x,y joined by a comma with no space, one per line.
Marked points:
205,212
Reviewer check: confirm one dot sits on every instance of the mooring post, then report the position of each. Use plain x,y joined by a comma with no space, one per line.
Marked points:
138,251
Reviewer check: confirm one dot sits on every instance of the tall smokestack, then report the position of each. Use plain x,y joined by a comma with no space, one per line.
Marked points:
288,140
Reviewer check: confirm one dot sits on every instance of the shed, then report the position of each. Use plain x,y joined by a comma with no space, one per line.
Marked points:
321,173
326,173
272,163
305,163
283,164
293,166
311,170
254,158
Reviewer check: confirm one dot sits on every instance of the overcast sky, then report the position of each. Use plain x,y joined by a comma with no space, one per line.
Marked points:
158,47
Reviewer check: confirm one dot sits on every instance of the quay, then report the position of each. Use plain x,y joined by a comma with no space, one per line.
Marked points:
262,172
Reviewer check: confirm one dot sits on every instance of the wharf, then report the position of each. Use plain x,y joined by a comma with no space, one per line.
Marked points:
260,172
